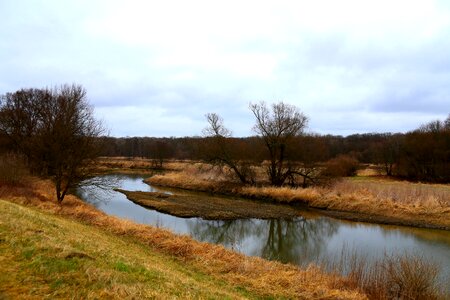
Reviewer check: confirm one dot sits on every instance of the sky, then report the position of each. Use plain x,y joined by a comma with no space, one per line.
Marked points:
155,68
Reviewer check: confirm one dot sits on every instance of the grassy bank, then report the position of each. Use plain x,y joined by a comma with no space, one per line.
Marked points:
73,250
43,255
365,199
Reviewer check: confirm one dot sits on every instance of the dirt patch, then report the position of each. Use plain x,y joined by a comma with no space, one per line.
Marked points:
214,208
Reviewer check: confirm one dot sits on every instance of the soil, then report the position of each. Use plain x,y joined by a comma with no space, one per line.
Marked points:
216,208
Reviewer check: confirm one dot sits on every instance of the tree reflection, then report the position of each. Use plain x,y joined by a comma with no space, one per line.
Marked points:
297,241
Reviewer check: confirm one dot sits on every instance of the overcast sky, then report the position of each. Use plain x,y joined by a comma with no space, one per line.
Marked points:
155,68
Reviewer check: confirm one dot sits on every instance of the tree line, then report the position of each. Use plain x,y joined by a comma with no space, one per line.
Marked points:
422,154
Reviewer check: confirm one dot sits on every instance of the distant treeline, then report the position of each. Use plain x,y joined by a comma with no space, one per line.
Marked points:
423,154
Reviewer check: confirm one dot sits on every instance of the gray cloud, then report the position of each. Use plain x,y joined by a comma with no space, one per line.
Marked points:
152,70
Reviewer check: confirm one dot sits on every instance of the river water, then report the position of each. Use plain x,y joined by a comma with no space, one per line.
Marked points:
309,238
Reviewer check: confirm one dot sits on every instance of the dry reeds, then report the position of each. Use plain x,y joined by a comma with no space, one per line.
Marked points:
407,276
400,192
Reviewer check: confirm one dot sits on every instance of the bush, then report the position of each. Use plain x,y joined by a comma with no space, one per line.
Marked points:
342,165
13,169
402,276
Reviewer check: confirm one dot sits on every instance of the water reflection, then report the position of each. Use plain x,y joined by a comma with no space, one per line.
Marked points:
299,241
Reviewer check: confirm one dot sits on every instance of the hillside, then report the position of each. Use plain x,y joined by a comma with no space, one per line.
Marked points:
49,256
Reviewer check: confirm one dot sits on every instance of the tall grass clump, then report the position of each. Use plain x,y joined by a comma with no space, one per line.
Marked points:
13,169
399,192
406,276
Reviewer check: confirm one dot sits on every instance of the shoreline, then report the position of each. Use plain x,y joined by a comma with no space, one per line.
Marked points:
323,204
216,208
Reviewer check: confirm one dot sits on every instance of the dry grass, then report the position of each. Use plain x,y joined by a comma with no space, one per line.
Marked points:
393,202
434,195
259,276
134,165
216,208
46,256
407,276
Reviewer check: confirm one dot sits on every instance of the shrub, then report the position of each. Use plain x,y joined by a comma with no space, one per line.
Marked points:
342,165
406,276
13,169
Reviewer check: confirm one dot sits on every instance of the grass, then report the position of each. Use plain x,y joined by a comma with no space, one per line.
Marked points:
48,256
407,276
215,208
434,195
133,165
74,251
365,199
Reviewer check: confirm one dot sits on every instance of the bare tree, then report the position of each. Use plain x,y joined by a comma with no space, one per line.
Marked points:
278,128
55,129
447,123
220,149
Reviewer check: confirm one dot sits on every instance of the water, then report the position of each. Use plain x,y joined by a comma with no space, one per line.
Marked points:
302,240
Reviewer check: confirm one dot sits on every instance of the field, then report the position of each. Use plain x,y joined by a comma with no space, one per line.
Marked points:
133,165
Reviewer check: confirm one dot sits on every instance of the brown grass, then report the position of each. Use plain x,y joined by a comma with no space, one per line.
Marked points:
391,202
258,275
407,276
134,165
434,195
216,208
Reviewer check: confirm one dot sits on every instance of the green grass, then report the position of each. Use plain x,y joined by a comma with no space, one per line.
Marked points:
46,256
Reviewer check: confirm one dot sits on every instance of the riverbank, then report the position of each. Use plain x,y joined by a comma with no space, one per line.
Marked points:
367,200
73,250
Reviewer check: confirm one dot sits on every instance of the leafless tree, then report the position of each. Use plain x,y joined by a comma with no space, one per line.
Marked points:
278,128
55,129
221,150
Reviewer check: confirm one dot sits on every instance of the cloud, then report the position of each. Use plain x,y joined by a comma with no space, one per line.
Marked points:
155,68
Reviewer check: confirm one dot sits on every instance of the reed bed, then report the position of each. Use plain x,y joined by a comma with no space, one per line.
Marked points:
399,191
407,276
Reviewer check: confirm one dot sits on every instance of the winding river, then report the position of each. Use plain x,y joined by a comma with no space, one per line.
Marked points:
309,238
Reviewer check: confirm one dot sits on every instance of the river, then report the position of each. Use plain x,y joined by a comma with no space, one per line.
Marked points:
309,238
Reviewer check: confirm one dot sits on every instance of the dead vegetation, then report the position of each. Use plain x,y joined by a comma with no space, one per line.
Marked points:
133,165
383,201
406,276
268,279
216,208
